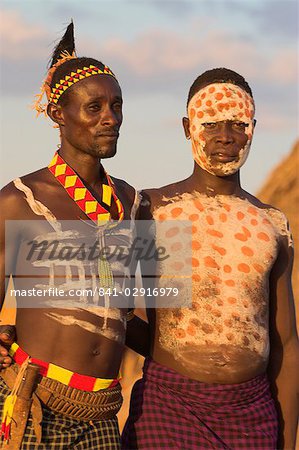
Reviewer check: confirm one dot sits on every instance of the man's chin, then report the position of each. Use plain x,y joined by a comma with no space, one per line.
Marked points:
103,153
225,171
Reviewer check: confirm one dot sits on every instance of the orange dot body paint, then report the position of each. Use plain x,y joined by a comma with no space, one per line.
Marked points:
215,103
228,259
193,217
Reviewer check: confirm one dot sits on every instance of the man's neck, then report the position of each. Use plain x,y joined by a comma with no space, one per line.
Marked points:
85,165
206,183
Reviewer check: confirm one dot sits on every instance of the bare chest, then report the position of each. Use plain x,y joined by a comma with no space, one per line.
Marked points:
226,265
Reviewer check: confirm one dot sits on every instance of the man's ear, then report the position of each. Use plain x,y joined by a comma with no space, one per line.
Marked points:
186,126
55,113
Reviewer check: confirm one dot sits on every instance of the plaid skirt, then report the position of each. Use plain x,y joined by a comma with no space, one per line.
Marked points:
60,432
171,411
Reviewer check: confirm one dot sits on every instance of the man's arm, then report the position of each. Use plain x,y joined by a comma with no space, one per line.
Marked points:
138,335
283,363
8,250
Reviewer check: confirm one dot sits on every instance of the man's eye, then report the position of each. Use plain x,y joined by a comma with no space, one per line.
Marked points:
209,125
240,125
94,107
117,106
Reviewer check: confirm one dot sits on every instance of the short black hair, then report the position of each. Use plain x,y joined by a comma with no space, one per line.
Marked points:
218,75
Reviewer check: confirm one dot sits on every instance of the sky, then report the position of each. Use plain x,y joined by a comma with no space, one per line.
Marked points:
156,49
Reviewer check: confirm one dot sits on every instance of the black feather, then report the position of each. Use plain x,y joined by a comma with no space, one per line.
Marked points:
67,43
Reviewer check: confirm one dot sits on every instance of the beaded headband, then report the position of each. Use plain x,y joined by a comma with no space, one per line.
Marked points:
73,78
54,94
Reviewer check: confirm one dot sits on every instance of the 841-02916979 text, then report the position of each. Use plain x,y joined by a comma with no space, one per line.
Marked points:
136,292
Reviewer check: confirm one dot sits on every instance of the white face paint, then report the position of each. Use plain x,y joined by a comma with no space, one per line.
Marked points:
219,102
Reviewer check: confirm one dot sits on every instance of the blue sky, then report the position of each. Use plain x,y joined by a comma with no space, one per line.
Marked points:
157,49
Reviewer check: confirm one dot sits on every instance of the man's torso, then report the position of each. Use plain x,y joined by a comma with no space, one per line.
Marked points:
224,336
87,335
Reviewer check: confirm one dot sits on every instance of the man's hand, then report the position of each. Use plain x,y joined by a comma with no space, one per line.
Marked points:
7,337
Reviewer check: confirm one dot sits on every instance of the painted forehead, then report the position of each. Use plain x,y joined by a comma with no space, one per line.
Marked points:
221,101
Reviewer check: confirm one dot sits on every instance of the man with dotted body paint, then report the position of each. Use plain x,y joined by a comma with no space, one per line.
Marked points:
221,374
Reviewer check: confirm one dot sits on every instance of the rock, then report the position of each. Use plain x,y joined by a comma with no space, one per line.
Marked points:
281,190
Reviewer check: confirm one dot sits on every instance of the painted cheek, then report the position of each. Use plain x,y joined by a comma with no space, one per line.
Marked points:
199,154
197,148
201,131
249,131
198,139
195,128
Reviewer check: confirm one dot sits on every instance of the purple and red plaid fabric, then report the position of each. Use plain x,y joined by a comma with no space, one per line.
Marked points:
170,411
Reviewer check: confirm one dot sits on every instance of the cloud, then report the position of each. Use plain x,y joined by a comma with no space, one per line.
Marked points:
20,39
275,120
164,61
154,51
283,67
276,18
157,52
161,60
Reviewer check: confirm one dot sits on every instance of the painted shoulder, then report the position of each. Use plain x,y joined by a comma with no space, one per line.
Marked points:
281,222
157,197
276,217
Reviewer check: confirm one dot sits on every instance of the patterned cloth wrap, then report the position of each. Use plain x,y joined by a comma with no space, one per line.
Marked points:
61,432
171,411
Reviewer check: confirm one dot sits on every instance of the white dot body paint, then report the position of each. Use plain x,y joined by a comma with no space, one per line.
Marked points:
215,103
234,246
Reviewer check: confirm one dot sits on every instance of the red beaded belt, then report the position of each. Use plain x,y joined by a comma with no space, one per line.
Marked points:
65,376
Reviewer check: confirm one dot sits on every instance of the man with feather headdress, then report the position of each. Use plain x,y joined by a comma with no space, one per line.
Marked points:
76,342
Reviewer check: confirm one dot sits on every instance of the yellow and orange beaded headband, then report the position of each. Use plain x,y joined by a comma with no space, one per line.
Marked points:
54,94
73,78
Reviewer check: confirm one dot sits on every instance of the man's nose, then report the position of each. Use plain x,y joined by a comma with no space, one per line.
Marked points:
225,134
109,117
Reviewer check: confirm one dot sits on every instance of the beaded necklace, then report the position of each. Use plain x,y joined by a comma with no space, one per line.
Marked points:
78,192
98,213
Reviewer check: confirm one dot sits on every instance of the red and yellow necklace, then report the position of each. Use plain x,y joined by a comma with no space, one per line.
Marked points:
99,214
78,192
